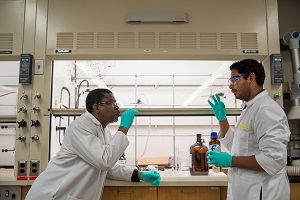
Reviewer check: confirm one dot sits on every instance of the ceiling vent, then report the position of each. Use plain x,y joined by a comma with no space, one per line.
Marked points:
157,17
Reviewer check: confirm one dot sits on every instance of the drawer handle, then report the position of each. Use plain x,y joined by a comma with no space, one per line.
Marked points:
189,191
152,188
125,192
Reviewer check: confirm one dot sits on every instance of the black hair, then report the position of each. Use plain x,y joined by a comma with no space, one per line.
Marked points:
95,96
248,66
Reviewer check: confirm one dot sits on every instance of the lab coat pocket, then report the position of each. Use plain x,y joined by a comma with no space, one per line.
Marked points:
242,141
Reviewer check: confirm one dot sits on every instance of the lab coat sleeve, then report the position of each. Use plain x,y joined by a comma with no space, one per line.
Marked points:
120,172
272,130
228,139
91,149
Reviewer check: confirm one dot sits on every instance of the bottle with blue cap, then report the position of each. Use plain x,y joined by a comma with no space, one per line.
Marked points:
214,145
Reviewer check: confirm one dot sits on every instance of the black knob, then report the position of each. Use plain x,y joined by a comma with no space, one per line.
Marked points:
22,123
35,123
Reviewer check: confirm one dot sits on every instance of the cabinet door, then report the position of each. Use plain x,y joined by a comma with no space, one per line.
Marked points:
167,193
129,193
144,193
189,193
295,188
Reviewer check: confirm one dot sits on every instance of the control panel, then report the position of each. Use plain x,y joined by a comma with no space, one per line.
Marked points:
25,69
276,68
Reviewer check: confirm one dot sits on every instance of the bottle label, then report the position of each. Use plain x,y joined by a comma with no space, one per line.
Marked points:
122,162
215,147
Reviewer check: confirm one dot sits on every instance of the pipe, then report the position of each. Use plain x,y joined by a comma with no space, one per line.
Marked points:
78,92
59,128
292,40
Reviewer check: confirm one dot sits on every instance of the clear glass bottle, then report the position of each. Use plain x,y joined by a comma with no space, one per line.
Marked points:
214,145
122,159
199,157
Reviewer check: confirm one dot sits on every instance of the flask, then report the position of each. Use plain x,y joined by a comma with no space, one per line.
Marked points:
199,165
184,160
122,159
214,145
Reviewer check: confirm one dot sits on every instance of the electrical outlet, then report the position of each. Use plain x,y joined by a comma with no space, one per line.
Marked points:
39,67
22,168
34,167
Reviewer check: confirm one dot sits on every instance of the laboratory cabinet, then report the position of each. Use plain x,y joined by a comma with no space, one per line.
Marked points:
165,193
190,193
169,192
295,188
129,193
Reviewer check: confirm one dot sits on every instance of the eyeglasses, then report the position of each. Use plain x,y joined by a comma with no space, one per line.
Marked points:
113,103
233,80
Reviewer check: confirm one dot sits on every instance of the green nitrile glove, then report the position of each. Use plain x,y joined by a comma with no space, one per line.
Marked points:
151,176
220,159
218,108
127,118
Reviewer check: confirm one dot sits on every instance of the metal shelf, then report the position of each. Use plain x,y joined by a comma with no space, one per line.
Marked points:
154,112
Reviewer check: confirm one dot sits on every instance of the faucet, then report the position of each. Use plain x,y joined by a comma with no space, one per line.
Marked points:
62,105
60,99
78,92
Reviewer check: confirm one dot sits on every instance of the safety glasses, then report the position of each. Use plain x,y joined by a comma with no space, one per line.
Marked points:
112,103
233,80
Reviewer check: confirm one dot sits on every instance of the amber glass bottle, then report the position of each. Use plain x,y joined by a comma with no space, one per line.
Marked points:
199,157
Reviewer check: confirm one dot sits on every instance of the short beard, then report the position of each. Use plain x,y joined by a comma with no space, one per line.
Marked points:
116,118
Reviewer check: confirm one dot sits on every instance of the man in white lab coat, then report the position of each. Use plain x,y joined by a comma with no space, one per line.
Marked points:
89,154
258,144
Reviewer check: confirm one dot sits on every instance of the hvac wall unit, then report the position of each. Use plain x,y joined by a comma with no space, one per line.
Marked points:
192,31
11,31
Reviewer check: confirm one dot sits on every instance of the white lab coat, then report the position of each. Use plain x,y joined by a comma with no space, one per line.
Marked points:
89,153
263,131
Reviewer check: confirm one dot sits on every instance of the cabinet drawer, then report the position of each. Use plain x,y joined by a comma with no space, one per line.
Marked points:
129,193
189,193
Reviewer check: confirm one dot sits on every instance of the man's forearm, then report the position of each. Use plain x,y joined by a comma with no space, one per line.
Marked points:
224,126
246,162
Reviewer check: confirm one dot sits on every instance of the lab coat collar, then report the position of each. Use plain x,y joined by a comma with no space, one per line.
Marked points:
252,101
87,113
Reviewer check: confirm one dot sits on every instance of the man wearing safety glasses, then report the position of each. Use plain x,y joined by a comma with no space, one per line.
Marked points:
89,154
258,144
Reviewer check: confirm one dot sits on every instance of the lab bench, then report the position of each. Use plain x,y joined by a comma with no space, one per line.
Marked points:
180,185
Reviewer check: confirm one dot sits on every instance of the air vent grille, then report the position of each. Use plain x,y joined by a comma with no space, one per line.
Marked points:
105,40
188,40
125,40
208,41
249,41
167,40
228,41
85,40
146,40
6,41
65,40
